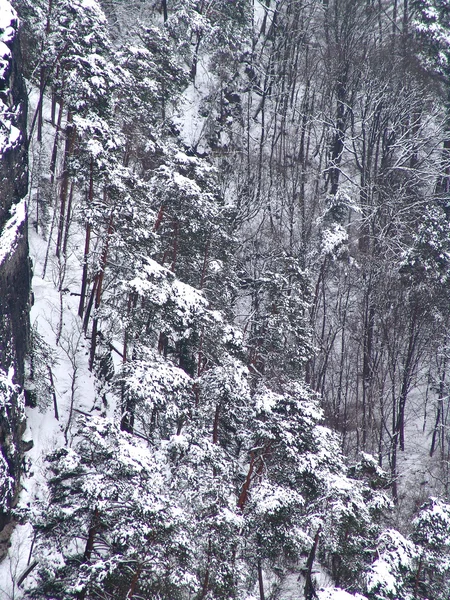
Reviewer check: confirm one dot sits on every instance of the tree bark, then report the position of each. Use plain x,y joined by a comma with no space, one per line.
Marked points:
87,242
68,220
89,546
260,581
68,151
310,591
55,144
134,581
98,293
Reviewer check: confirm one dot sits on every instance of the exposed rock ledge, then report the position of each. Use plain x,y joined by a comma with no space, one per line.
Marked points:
14,265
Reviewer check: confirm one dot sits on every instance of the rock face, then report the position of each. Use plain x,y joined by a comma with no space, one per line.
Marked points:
13,114
15,273
14,292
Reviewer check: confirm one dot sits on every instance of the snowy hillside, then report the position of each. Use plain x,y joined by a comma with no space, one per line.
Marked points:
236,372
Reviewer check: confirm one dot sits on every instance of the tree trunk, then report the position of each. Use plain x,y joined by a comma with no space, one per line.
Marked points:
134,582
87,242
55,144
406,380
310,591
90,546
440,411
98,294
245,488
337,146
216,425
260,581
40,119
205,585
68,220
367,367
55,403
68,151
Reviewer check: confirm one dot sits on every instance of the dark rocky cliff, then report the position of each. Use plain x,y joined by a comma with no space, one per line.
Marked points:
13,115
14,263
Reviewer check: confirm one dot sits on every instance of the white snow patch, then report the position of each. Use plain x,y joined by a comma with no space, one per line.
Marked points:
333,239
8,18
9,135
337,594
11,233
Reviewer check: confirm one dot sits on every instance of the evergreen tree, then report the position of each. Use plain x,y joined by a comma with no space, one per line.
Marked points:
109,527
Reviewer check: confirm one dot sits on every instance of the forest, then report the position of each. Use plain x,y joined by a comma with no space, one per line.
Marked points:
236,380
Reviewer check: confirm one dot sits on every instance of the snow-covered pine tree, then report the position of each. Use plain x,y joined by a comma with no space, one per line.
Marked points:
431,534
111,528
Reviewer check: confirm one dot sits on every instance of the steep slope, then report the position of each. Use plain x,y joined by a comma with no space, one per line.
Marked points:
14,262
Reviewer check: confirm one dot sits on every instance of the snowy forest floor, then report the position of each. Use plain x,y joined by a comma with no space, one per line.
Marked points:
74,391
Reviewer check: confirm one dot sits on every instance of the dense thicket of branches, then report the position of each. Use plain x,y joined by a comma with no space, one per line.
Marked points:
263,194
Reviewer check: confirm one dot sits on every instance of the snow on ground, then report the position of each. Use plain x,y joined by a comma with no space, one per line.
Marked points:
42,427
55,315
192,125
337,594
11,232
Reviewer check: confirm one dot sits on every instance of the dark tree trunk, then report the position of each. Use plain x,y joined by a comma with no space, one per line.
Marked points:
68,151
98,293
310,591
87,242
55,144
